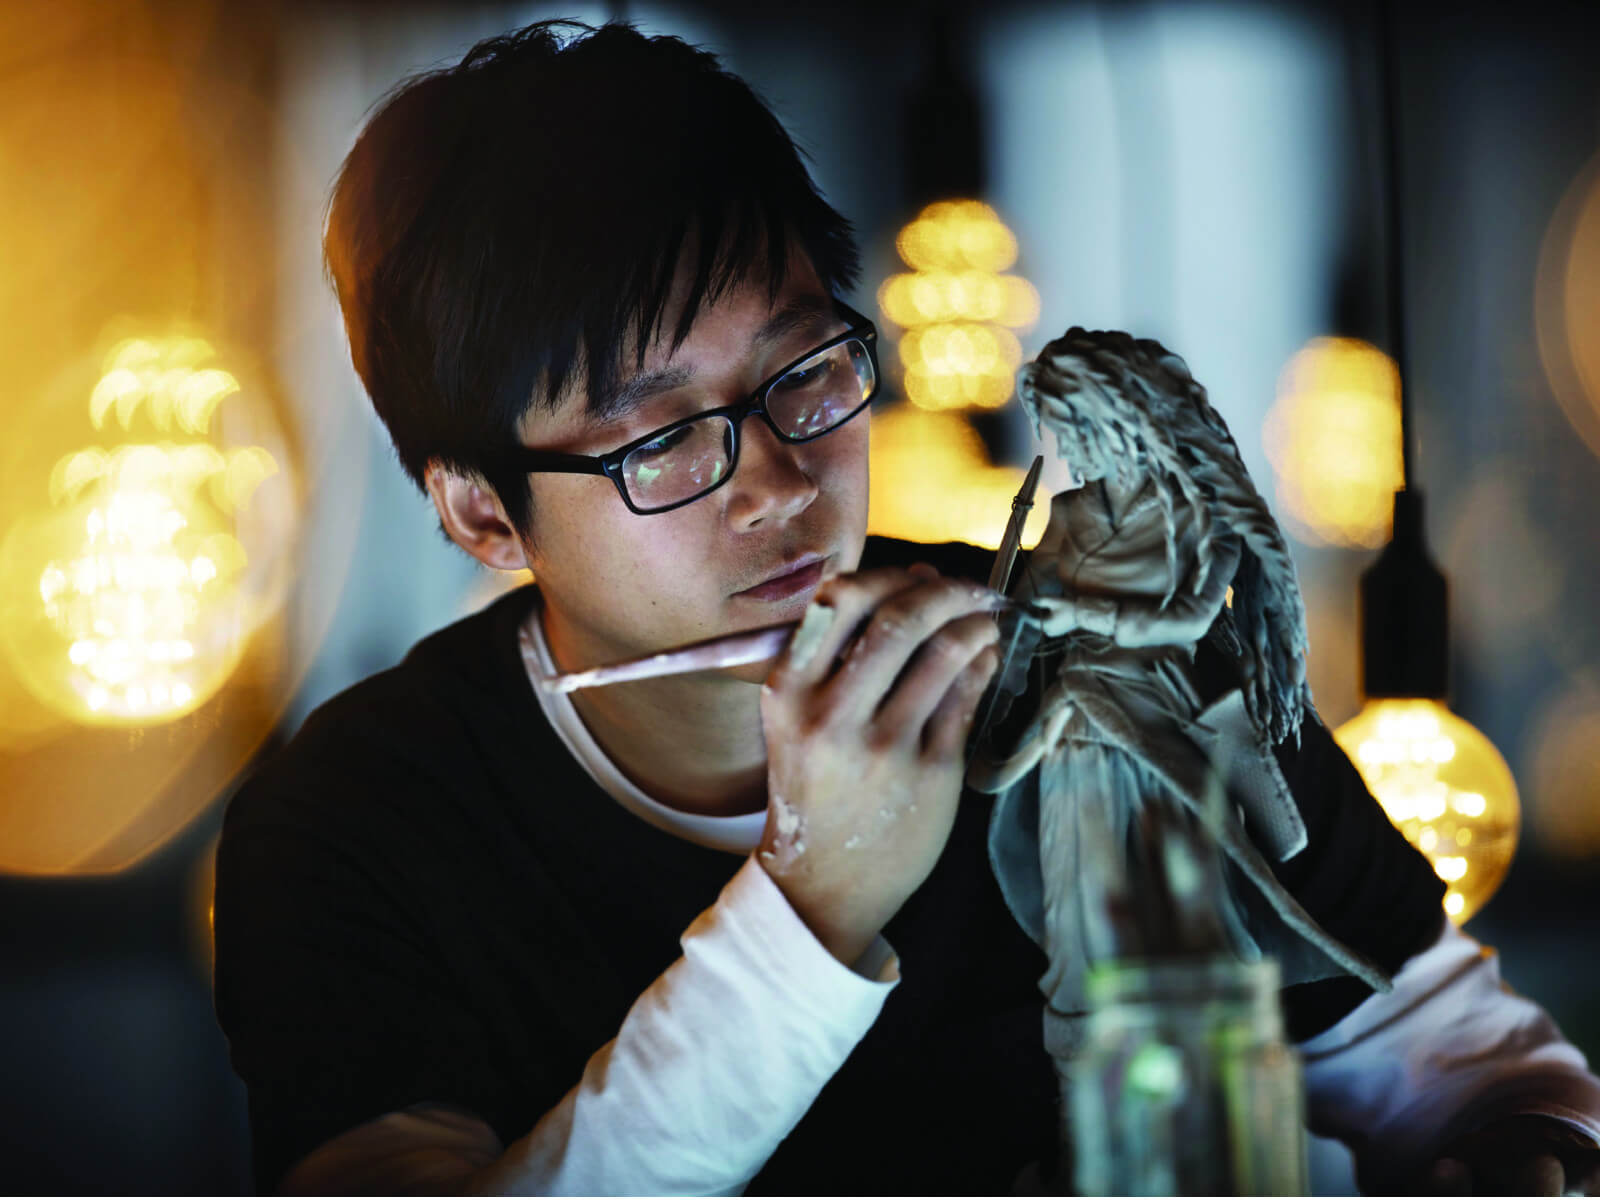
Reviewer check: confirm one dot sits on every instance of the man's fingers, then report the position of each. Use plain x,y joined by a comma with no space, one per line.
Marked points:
891,636
1583,1174
1449,1177
937,665
1538,1175
945,734
807,639
1516,1175
843,602
1527,1154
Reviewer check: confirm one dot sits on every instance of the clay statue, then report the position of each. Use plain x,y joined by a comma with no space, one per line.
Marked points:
1117,784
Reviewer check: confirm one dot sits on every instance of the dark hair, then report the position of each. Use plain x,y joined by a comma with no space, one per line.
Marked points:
509,223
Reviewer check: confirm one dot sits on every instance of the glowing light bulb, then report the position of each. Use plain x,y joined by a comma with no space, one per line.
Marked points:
1445,787
957,309
143,565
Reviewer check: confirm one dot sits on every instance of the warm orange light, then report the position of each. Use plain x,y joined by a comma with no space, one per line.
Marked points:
1567,304
1445,787
957,234
1333,439
957,309
138,614
932,482
131,209
1564,792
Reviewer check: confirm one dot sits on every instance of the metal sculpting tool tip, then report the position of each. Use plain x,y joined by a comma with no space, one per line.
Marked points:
1000,574
1015,630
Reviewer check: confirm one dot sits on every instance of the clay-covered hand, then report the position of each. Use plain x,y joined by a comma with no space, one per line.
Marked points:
866,716
1525,1155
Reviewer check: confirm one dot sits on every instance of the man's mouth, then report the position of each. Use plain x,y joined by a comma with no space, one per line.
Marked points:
792,579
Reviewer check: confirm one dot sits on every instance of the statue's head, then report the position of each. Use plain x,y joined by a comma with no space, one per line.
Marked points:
1100,392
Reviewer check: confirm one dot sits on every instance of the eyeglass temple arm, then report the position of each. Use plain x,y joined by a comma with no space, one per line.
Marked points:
553,460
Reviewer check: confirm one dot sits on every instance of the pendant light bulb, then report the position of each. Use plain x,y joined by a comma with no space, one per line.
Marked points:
1440,781
1444,786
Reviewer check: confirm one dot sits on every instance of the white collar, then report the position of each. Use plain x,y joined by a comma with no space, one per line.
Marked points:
737,834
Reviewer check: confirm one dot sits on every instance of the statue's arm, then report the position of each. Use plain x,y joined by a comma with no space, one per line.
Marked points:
1116,591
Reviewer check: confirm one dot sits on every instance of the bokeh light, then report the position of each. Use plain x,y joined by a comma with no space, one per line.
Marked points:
1333,658
1333,438
142,290
1567,304
201,911
1564,789
957,309
1445,787
932,482
129,598
150,522
1506,571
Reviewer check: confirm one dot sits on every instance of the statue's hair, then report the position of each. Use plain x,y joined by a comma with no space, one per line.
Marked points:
1123,407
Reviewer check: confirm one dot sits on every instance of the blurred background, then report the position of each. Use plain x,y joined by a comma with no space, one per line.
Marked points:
204,534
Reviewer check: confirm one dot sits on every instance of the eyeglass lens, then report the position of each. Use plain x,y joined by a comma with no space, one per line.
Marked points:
810,399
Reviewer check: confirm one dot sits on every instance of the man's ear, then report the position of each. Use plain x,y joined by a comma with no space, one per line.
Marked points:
475,519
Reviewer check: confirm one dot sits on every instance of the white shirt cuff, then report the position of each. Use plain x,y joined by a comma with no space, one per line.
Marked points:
1450,1049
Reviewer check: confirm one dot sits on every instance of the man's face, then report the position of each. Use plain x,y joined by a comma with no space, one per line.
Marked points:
617,584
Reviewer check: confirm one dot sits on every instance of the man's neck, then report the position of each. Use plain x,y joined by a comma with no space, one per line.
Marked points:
691,742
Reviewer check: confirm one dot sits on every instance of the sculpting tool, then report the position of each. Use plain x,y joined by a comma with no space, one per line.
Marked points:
1007,682
1000,573
733,650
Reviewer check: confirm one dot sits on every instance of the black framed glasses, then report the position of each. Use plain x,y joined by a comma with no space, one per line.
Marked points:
681,462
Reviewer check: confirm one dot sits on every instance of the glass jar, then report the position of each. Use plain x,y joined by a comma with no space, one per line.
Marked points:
1184,1084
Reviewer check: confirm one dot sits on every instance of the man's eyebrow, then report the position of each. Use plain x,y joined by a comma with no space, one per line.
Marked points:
636,389
799,313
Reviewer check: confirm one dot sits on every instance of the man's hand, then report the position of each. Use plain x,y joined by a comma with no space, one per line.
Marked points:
1525,1155
866,718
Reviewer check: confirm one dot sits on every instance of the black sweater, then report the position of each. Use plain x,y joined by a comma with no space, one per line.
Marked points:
423,897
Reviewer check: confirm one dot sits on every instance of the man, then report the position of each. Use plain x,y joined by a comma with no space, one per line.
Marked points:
473,937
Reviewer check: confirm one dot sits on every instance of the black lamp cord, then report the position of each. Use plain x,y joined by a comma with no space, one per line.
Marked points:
1389,108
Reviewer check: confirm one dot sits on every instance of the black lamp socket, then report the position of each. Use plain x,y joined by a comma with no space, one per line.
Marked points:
1405,631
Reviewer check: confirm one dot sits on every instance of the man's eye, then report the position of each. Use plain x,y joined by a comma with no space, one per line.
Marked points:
806,376
663,444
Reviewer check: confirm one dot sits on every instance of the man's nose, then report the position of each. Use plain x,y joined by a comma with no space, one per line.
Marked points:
771,483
